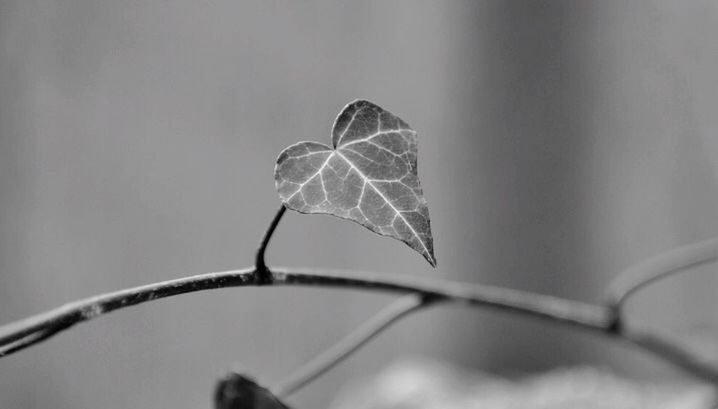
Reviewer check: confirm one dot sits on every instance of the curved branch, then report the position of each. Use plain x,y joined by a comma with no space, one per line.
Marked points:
672,351
39,327
657,268
573,313
560,310
564,311
356,339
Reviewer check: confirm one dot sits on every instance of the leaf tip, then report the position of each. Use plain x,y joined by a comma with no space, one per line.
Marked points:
428,253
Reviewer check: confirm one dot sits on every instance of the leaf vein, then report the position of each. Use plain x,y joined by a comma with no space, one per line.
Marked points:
398,213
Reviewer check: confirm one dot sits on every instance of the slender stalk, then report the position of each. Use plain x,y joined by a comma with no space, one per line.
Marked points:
260,264
661,346
356,339
659,267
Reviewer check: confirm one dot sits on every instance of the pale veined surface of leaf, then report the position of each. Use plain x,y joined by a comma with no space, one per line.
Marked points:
368,176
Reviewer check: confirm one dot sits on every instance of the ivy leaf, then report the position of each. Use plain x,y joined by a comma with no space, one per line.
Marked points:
369,176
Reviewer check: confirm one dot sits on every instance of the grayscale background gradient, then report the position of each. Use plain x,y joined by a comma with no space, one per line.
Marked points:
559,143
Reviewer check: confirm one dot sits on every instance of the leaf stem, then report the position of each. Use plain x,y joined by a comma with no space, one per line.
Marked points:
262,273
356,339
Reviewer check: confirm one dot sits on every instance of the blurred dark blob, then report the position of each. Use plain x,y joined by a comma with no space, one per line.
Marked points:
236,391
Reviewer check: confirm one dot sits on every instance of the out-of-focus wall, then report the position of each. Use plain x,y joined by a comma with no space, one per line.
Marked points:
594,146
559,143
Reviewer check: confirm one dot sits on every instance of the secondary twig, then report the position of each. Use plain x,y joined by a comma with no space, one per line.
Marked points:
564,311
669,350
350,343
657,268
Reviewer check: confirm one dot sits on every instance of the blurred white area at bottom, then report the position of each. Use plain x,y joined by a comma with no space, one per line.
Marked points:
425,384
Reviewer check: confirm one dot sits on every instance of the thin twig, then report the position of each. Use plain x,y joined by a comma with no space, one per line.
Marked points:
663,347
260,263
70,314
565,311
573,313
657,268
350,343
30,340
560,310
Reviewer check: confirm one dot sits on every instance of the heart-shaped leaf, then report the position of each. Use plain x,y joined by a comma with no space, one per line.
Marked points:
369,176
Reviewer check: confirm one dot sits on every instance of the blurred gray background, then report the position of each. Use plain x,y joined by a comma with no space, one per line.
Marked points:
560,142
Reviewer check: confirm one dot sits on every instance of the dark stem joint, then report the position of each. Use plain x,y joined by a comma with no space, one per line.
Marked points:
615,325
429,298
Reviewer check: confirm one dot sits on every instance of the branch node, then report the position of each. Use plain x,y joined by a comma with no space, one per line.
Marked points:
615,325
262,275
